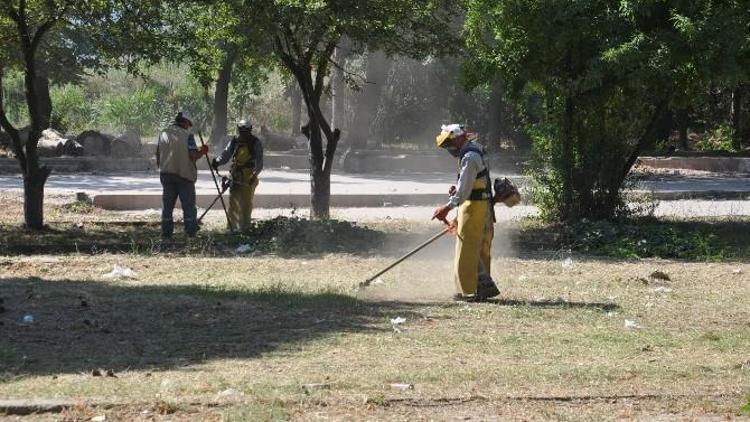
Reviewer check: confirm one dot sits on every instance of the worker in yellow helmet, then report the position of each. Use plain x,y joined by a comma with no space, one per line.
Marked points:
474,225
246,152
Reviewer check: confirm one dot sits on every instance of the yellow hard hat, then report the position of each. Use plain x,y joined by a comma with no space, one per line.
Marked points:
449,132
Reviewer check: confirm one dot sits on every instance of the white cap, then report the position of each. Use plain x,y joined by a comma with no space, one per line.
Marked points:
454,129
184,115
244,123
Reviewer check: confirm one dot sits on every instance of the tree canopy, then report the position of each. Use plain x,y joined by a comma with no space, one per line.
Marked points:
607,72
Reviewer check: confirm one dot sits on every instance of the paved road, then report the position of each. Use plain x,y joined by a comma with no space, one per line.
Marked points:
683,209
272,182
288,182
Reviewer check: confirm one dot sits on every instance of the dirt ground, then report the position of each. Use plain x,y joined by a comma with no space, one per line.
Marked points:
266,337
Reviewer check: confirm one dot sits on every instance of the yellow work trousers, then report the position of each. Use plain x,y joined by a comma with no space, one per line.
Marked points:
473,244
241,204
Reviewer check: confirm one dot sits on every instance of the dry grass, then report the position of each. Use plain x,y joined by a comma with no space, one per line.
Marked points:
272,338
554,346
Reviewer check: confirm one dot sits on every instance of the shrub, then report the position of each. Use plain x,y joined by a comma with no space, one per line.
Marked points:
71,110
141,111
720,138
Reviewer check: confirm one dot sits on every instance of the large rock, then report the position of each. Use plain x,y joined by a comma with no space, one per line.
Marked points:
276,142
95,143
51,144
72,148
5,140
126,145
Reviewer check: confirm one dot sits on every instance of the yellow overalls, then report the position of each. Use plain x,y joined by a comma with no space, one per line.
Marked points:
474,241
243,187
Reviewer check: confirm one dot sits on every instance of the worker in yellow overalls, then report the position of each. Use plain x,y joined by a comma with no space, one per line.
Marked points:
474,225
246,152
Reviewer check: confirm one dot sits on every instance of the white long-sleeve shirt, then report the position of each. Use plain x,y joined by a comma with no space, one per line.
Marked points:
471,165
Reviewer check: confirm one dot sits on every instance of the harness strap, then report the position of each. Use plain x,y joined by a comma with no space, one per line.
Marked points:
479,194
486,193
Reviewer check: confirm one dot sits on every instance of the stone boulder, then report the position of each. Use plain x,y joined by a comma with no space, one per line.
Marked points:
95,143
72,148
276,142
51,144
126,146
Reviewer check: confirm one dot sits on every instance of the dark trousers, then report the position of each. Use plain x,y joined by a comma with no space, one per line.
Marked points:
174,186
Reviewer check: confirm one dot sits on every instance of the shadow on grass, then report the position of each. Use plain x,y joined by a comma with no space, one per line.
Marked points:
601,306
81,326
281,236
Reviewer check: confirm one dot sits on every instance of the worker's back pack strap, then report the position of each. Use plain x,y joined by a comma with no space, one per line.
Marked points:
249,164
486,193
480,151
479,194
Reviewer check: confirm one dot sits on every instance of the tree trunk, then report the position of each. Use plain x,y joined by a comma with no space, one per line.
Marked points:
44,100
295,98
33,197
321,160
338,86
35,175
320,180
320,199
736,115
368,98
682,127
649,133
496,112
567,163
221,99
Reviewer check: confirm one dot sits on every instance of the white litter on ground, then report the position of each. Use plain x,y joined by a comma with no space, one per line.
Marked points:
632,325
245,248
567,262
395,322
229,392
662,289
121,272
398,321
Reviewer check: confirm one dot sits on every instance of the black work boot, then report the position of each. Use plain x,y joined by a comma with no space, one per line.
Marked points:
487,289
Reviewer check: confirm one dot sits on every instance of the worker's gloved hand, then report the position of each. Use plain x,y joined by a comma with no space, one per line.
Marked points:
441,213
214,164
226,183
453,227
452,190
203,149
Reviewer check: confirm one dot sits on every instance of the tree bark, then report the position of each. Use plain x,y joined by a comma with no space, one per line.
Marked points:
682,128
44,100
303,67
339,87
649,133
368,98
33,195
567,157
496,112
295,99
736,115
221,100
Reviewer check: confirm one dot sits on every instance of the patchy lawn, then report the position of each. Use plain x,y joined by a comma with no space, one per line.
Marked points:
268,337
202,334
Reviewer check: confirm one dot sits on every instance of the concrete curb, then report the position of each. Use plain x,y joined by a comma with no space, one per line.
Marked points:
712,164
30,407
133,202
